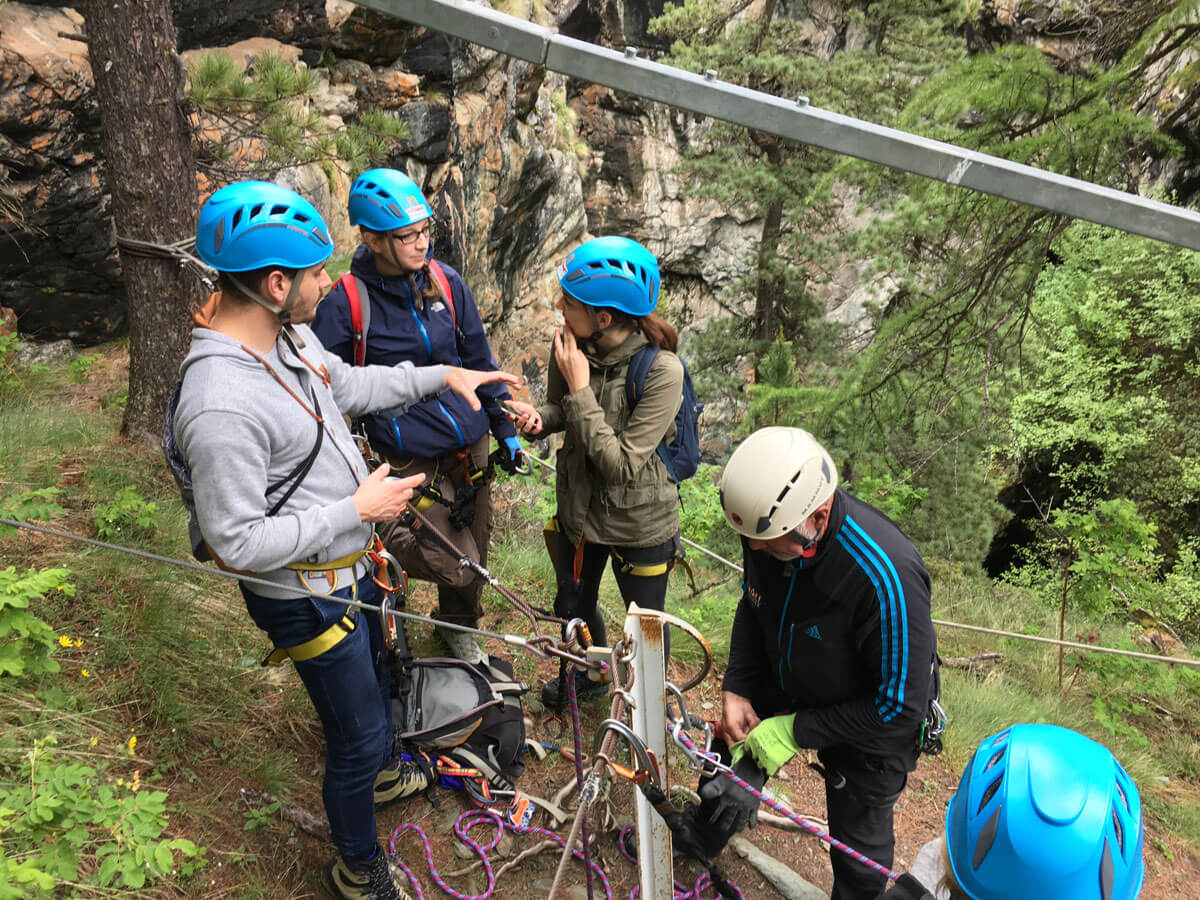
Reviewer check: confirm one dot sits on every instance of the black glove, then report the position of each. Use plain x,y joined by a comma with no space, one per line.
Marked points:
511,456
730,807
907,888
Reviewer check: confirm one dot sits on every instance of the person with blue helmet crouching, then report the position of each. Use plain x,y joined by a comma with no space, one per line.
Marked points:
282,494
616,496
399,304
1041,812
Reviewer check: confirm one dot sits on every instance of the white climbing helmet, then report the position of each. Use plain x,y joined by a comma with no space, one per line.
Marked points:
774,481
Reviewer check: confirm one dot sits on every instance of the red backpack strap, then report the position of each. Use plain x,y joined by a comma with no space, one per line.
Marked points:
444,283
350,285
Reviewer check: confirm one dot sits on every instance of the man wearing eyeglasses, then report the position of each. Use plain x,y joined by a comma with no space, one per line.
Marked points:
416,310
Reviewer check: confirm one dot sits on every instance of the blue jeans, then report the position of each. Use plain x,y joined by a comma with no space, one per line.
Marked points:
350,687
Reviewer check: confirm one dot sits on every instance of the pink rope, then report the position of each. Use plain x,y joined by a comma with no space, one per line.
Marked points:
467,820
804,825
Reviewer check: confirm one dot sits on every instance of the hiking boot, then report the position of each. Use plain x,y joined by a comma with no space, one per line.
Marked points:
584,687
400,778
371,880
462,646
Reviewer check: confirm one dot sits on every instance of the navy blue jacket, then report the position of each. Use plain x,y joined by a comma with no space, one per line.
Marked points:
843,639
408,329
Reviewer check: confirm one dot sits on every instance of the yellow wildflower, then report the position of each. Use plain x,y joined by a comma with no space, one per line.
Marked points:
77,643
86,674
64,641
93,742
132,744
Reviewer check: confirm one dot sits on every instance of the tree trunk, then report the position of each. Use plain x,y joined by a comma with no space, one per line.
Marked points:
152,175
768,297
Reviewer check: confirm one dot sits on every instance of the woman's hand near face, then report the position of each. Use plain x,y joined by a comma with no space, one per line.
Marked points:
571,361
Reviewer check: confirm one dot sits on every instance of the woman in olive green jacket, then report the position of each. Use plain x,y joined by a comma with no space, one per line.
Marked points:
615,496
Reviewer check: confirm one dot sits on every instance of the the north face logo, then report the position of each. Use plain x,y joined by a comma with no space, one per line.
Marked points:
813,632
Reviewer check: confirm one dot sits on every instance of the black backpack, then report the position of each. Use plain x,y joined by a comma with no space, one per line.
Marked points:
470,713
682,455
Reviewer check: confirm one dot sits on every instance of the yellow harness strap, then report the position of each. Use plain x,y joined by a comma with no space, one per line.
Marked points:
342,562
311,649
645,571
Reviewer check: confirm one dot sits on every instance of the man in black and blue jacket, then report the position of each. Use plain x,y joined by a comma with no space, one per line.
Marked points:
832,649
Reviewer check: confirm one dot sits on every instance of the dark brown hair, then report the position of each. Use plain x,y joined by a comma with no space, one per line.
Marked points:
658,331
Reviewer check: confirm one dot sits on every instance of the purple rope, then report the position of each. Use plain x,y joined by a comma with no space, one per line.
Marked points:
577,742
681,891
806,826
475,818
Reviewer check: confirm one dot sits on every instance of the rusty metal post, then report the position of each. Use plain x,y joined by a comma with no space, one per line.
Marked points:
644,632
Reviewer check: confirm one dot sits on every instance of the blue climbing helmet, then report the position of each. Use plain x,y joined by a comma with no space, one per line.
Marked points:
617,272
254,224
384,200
1043,811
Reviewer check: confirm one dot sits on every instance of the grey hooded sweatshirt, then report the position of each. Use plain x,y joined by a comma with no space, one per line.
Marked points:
241,430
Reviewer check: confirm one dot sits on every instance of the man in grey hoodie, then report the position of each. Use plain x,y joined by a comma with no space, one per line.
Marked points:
283,493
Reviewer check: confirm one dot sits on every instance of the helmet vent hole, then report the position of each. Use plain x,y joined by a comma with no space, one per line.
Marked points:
989,793
1119,829
595,265
987,837
996,757
237,220
279,209
255,210
299,217
1107,873
1121,793
370,186
787,487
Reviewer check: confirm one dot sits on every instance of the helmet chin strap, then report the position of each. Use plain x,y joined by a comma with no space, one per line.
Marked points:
284,312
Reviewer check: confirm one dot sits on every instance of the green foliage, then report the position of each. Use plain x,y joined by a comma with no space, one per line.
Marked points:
35,505
26,642
700,513
257,124
1125,691
126,513
1109,398
260,817
81,366
8,345
56,812
896,498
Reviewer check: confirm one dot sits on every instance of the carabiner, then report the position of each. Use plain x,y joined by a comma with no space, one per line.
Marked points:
647,765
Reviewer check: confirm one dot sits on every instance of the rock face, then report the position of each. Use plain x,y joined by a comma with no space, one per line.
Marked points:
58,269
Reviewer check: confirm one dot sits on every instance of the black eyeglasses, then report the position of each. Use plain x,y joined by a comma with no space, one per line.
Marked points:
411,237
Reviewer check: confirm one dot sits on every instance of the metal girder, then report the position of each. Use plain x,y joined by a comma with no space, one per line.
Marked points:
799,121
